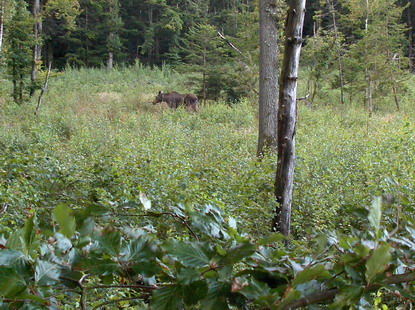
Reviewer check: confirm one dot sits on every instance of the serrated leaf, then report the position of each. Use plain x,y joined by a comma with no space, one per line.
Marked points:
145,201
195,292
166,298
308,274
46,273
375,214
187,276
101,267
9,257
255,289
348,295
11,282
190,254
65,219
378,261
110,242
216,296
238,253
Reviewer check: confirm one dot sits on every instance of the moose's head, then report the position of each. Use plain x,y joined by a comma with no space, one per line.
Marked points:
159,97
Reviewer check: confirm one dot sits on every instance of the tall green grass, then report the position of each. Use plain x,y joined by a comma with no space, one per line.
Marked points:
99,139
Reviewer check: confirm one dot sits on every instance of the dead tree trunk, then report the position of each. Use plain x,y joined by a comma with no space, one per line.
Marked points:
268,76
35,52
287,116
44,89
411,25
2,15
110,63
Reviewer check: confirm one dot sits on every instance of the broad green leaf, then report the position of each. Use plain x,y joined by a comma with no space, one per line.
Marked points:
375,214
190,254
166,298
378,261
348,296
110,242
238,253
138,250
187,276
147,269
216,298
9,257
46,273
308,274
65,219
195,292
11,282
100,266
255,289
29,232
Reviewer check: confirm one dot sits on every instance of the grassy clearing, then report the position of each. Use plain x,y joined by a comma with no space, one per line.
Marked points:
99,139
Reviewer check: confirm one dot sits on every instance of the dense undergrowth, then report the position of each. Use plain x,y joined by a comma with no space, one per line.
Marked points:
99,143
99,137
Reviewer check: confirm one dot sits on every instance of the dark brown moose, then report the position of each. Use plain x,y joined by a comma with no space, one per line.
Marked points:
174,100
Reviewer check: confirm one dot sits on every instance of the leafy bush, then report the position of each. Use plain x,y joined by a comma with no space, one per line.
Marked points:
85,261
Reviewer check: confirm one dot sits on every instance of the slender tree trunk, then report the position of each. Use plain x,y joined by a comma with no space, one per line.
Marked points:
268,77
150,51
110,63
44,89
395,93
411,36
2,15
287,116
35,50
204,79
369,96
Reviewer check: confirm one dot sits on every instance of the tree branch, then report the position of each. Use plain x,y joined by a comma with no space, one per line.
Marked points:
331,293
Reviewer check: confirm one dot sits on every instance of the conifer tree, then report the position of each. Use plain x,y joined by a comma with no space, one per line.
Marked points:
19,50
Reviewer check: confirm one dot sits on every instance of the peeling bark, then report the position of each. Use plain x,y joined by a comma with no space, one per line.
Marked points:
287,117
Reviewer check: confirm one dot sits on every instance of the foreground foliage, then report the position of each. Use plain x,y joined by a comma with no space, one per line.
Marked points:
85,259
76,175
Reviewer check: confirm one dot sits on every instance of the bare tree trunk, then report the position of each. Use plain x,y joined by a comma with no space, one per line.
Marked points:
44,89
287,116
369,96
411,36
395,93
268,77
204,78
110,63
2,15
35,50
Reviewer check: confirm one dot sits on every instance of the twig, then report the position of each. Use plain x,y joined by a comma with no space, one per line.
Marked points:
331,293
83,300
397,223
145,287
114,301
177,218
231,45
303,98
44,89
